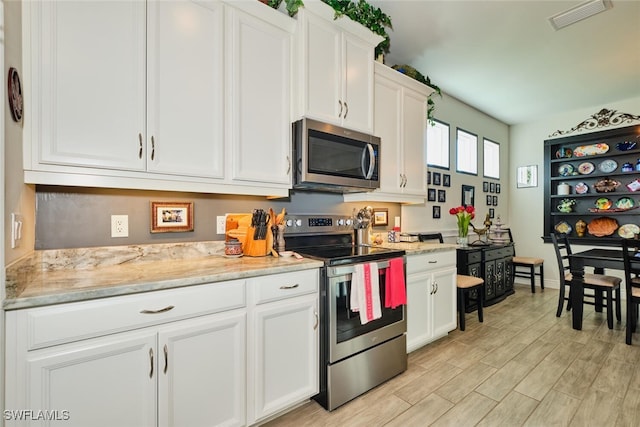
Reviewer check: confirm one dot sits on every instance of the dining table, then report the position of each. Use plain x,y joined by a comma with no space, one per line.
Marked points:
599,259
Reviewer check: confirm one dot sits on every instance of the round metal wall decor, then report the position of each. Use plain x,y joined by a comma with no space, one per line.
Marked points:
15,95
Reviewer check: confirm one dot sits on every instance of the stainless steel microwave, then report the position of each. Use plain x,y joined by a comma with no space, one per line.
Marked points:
331,158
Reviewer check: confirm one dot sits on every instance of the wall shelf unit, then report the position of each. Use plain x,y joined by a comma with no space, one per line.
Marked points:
603,183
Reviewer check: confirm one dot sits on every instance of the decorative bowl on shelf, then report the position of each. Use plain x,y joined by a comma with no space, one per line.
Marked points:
626,145
603,226
606,185
566,205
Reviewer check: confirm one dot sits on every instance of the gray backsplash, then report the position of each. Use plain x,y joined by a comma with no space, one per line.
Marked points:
74,217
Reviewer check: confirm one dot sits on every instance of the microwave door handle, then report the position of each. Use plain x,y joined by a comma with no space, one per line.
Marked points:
372,162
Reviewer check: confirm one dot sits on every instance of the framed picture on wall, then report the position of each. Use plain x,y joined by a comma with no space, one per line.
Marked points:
442,196
436,178
485,186
431,195
497,188
495,200
492,187
428,178
492,213
436,211
489,200
446,180
167,217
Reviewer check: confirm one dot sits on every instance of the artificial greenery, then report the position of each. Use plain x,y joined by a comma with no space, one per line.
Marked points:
417,75
371,17
291,5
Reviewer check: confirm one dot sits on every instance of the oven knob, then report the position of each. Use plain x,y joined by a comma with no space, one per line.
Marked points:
341,222
289,223
348,221
298,223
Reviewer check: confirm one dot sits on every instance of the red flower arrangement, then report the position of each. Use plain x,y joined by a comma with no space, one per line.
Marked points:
464,215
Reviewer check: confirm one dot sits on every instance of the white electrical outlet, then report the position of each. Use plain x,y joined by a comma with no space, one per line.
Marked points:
16,230
221,222
119,225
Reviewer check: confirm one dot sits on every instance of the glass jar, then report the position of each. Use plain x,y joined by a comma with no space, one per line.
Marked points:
233,248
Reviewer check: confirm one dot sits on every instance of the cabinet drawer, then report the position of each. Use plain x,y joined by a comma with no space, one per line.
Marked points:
501,253
279,286
430,261
46,326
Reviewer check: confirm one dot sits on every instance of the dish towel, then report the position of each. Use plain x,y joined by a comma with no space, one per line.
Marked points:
365,292
394,286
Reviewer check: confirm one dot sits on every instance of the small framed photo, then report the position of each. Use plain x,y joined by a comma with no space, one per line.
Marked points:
431,195
446,180
492,187
527,176
489,200
436,211
428,178
442,196
495,200
485,186
168,217
497,188
380,216
436,178
492,213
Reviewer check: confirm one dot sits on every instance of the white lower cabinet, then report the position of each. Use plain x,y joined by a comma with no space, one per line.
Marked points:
431,297
180,357
283,343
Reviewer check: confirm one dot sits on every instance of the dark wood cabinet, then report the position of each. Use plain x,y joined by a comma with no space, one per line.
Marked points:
493,264
602,174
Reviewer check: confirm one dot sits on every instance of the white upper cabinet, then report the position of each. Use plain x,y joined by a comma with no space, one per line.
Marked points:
181,95
335,59
400,114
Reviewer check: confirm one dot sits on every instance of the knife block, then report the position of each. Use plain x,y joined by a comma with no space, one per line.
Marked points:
257,248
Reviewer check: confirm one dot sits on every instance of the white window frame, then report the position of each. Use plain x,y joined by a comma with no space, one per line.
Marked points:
491,159
466,152
437,144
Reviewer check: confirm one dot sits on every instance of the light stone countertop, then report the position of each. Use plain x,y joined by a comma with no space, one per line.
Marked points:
416,248
60,276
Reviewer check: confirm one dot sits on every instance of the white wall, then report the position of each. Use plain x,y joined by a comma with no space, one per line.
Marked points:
526,204
458,114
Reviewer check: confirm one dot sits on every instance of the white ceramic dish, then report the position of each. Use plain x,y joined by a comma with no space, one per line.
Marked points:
285,254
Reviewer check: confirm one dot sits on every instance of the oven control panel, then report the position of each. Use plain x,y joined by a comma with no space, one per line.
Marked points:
330,223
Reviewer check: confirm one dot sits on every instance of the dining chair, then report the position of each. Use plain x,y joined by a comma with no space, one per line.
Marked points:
524,266
425,237
630,249
466,284
597,282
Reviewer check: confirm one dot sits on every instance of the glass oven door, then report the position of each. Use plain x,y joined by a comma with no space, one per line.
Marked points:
347,335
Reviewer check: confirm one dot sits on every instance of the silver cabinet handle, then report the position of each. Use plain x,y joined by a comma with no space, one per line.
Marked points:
436,291
162,310
151,362
289,286
432,262
315,312
288,165
346,106
153,148
340,103
140,141
166,358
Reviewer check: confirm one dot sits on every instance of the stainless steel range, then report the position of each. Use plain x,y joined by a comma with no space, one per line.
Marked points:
354,357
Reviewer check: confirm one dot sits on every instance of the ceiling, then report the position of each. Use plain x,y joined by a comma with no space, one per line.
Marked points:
505,59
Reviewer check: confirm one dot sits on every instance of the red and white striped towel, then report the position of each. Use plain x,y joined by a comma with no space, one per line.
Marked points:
365,292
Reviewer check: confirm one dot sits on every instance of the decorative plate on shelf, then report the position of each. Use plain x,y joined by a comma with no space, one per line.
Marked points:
586,168
563,227
634,185
625,203
591,150
625,146
603,226
603,203
581,188
606,185
628,231
566,169
608,166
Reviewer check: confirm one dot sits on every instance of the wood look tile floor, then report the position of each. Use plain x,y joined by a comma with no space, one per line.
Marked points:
522,367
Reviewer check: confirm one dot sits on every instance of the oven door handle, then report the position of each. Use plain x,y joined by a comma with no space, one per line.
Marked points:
349,269
368,173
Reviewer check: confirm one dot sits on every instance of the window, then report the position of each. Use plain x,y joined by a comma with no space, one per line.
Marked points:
438,144
491,159
466,152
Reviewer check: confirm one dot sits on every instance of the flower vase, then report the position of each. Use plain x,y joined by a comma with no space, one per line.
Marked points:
463,241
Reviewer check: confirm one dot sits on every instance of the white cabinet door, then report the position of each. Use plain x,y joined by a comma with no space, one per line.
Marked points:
201,371
283,355
443,303
185,132
357,92
259,76
87,75
419,288
414,125
110,381
388,120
